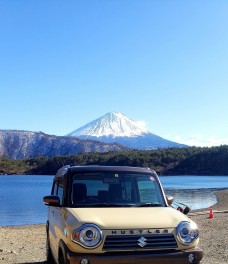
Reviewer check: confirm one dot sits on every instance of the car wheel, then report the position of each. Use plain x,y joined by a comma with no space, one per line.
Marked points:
49,256
61,260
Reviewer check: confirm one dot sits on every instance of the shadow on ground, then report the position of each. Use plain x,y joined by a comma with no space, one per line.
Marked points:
42,262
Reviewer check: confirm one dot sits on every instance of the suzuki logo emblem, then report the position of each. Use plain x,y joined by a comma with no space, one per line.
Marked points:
142,242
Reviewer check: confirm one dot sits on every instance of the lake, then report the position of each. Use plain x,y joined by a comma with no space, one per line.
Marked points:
21,197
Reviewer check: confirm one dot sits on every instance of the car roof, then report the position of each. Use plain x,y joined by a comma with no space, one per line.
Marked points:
97,168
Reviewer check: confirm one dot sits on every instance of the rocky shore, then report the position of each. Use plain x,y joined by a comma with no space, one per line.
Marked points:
26,244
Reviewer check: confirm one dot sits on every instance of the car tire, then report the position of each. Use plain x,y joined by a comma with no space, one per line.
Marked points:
49,256
63,257
61,260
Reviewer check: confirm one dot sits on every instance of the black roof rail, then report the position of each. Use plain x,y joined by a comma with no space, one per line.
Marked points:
62,171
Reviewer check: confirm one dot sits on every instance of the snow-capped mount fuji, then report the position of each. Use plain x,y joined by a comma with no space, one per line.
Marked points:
117,127
113,124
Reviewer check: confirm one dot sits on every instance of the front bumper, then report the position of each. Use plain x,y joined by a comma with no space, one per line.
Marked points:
157,257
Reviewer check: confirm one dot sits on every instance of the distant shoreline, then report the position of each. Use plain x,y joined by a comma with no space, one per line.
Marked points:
163,175
29,175
222,199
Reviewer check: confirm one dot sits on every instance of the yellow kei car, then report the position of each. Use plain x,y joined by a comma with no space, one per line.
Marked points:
116,215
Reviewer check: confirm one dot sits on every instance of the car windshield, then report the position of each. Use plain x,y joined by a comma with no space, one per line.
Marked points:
110,189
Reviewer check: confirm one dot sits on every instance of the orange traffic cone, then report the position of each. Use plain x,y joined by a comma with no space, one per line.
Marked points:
211,215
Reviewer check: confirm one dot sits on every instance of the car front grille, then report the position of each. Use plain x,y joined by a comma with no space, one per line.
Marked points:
132,242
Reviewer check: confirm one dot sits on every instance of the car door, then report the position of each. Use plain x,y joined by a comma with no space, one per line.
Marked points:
55,220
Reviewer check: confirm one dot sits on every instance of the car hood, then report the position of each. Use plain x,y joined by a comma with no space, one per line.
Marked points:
127,218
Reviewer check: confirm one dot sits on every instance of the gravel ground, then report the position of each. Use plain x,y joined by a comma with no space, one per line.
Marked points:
26,244
214,232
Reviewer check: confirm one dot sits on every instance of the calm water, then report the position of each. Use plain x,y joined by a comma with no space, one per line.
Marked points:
21,196
21,199
194,191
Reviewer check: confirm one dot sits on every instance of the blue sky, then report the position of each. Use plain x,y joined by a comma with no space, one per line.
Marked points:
163,62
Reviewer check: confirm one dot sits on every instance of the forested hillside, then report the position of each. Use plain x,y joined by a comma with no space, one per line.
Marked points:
173,161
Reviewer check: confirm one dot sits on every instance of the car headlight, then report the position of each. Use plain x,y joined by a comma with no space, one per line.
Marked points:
88,235
187,232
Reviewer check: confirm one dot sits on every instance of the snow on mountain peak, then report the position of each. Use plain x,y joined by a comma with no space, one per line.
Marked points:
113,124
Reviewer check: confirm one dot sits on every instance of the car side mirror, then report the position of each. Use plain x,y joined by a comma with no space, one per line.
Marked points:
169,199
51,200
186,210
183,208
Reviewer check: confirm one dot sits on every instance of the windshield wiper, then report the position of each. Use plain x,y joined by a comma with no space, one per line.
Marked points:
150,205
104,205
119,205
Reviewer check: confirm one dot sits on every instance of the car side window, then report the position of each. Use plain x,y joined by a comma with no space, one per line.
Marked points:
54,188
60,192
57,189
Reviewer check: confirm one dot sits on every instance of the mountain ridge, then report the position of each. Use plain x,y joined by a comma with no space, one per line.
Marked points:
19,144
